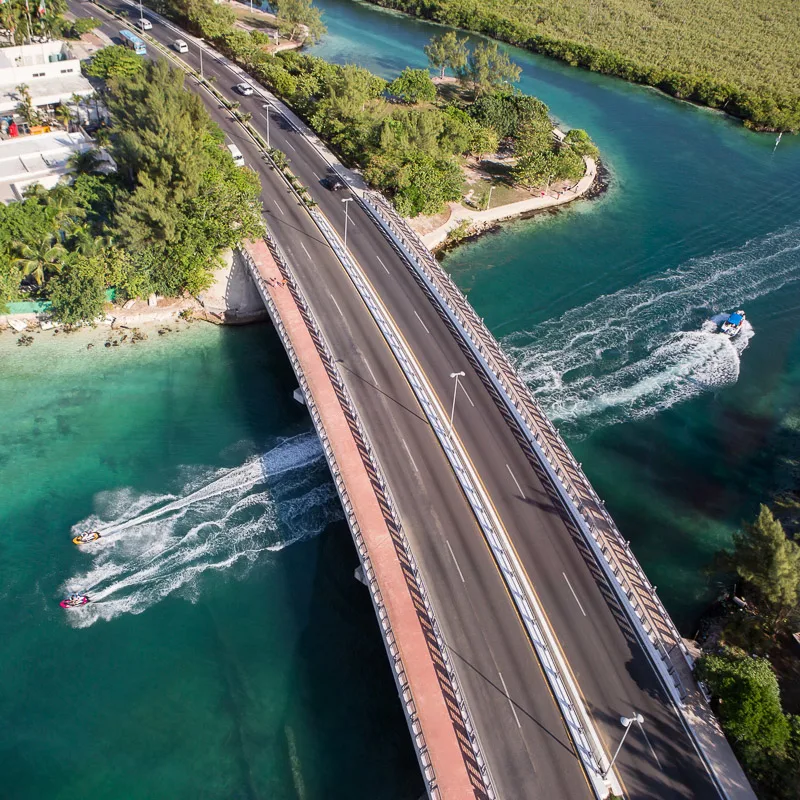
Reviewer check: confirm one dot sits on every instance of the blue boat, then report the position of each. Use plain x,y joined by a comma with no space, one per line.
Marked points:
733,325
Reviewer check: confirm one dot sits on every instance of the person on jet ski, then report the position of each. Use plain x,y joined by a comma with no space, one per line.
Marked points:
75,598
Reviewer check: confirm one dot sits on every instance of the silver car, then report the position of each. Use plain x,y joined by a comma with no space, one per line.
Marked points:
244,88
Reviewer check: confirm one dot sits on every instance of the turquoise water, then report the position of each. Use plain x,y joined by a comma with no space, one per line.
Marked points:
228,651
602,305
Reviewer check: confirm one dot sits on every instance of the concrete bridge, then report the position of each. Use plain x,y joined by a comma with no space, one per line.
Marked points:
519,626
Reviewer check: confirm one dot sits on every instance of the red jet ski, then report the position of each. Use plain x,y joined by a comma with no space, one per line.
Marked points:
74,601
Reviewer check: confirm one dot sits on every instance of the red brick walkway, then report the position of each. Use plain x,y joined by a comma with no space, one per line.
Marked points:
454,777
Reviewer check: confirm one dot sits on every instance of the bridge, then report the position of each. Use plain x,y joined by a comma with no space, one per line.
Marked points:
519,626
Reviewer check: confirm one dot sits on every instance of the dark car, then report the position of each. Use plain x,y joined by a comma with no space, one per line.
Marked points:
333,184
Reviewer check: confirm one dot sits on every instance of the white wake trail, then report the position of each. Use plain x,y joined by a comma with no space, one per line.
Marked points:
647,347
233,518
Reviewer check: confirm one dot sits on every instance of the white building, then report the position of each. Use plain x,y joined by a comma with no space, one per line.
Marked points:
42,159
50,71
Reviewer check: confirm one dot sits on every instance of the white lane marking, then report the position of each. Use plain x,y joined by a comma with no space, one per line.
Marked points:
408,453
304,250
573,593
505,688
291,145
460,573
336,304
278,205
513,478
383,265
315,174
647,739
371,373
423,325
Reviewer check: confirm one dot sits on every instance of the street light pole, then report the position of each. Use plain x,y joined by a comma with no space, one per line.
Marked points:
346,201
627,722
141,13
266,107
455,375
200,48
489,199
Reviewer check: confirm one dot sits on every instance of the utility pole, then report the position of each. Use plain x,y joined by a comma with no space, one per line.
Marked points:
489,198
627,722
346,201
456,376
266,107
200,48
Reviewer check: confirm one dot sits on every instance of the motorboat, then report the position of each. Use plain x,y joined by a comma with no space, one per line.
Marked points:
87,537
732,326
74,601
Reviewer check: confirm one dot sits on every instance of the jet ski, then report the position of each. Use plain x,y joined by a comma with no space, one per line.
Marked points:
86,537
733,324
74,601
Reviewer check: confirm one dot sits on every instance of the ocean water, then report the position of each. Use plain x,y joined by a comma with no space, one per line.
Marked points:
605,305
228,651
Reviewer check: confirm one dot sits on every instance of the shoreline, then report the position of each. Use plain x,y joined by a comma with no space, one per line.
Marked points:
232,299
597,187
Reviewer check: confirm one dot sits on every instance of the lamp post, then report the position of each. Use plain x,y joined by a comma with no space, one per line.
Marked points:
141,14
489,198
455,376
200,48
627,722
346,201
266,108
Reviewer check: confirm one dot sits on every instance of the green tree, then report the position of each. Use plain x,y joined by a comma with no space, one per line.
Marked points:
25,107
580,143
40,259
769,563
114,61
299,17
413,86
488,69
447,51
749,704
78,293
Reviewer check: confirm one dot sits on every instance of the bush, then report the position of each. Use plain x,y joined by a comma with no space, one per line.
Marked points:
77,293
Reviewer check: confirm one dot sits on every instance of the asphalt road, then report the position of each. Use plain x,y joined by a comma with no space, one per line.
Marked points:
524,738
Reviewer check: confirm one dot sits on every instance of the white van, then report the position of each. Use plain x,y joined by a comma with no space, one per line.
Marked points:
236,155
144,24
180,46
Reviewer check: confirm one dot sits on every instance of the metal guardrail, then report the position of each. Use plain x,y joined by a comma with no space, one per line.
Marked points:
369,573
558,677
544,437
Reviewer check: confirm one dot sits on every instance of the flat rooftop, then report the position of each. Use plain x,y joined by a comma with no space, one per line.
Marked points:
37,159
31,55
44,91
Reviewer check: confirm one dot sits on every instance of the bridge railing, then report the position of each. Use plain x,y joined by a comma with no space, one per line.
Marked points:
543,435
398,670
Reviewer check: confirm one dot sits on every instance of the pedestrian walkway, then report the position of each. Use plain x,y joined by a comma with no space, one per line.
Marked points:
442,741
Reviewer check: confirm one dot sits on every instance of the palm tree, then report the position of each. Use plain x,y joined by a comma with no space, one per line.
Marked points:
25,107
64,115
85,162
39,260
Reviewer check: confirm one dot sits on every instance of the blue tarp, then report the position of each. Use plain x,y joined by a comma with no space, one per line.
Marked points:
735,319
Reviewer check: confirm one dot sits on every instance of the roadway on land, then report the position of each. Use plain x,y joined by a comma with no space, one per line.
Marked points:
610,666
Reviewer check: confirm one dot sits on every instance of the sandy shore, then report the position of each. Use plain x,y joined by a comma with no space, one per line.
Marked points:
232,299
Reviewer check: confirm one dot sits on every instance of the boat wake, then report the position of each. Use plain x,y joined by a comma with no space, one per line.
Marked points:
159,544
624,356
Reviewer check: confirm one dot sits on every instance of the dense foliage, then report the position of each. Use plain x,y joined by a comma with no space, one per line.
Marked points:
748,703
740,57
768,562
157,225
114,62
22,20
407,140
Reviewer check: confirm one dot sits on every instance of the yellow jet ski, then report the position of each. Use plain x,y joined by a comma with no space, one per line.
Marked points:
87,537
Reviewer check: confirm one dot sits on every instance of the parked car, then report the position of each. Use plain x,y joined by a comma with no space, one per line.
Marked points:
332,183
144,24
180,46
244,88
